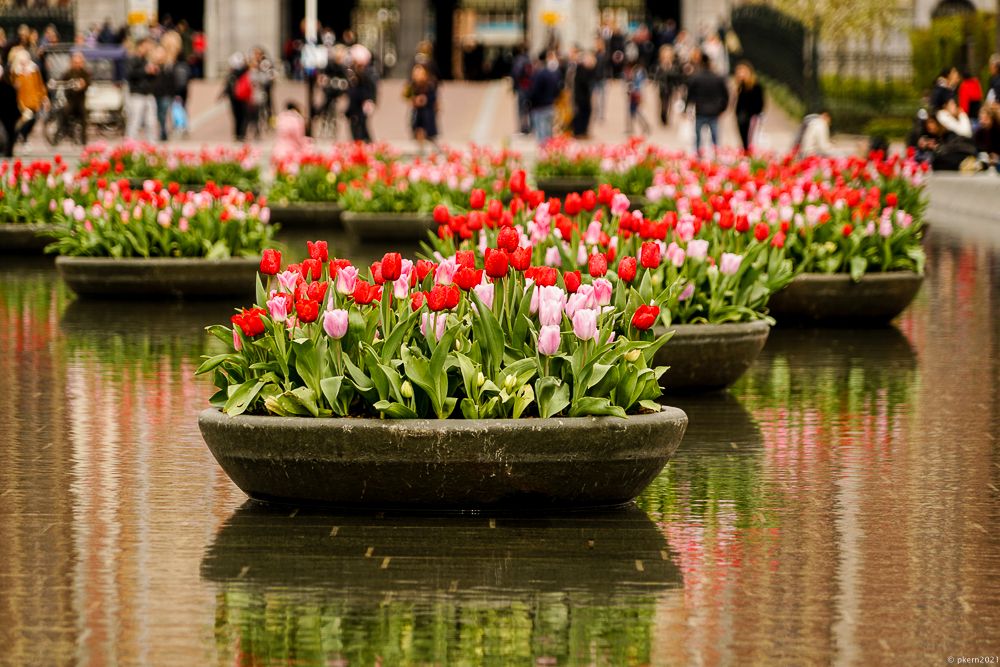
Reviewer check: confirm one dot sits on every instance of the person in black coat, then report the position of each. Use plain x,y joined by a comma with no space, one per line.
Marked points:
668,77
749,102
421,91
583,94
9,113
708,93
361,93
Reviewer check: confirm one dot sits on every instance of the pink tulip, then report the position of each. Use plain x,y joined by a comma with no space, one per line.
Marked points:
552,257
697,249
548,340
551,301
687,292
445,273
278,308
730,263
435,320
485,293
237,343
602,291
619,204
288,280
347,279
335,323
585,324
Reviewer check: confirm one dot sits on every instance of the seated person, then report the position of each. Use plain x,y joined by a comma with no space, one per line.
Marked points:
954,120
987,136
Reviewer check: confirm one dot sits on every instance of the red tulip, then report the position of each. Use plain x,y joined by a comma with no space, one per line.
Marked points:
589,200
507,239
573,204
316,291
517,182
311,268
318,250
425,267
249,321
417,300
571,279
477,199
307,310
761,231
497,263
494,209
520,259
649,255
627,269
364,292
847,229
437,298
467,278
270,262
466,258
645,316
391,266
597,264
441,214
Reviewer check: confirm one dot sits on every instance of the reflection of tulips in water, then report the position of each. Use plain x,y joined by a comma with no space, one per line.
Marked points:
307,587
130,331
30,301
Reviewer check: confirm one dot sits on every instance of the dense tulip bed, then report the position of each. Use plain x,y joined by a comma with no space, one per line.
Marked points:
141,161
700,271
30,193
498,338
372,179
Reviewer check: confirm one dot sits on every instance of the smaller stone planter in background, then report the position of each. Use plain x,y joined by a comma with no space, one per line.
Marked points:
705,357
560,186
388,227
159,277
835,299
317,214
25,237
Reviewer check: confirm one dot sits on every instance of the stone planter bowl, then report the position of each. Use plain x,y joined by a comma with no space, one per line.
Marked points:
527,464
836,299
325,214
25,237
388,227
705,357
591,556
560,186
160,277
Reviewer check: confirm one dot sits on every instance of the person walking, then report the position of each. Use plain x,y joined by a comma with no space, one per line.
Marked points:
290,128
141,74
239,90
361,93
602,70
77,78
520,74
749,102
708,94
164,89
668,77
635,77
545,88
421,92
583,95
32,95
9,113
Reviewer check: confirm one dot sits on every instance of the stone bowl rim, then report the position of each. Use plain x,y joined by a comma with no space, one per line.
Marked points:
215,415
751,327
70,260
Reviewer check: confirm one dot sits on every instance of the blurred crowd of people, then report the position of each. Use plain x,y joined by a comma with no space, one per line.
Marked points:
696,77
959,126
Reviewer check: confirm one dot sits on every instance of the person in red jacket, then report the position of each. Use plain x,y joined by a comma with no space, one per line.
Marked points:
970,94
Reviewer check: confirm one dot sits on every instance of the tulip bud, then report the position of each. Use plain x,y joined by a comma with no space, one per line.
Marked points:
480,379
509,382
406,389
632,356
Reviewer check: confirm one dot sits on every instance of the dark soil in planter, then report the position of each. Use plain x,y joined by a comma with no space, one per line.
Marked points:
320,215
560,186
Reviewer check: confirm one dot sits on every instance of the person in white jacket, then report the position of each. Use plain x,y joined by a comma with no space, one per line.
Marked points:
816,135
954,120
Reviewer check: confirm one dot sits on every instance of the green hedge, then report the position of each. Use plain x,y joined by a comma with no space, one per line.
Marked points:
944,43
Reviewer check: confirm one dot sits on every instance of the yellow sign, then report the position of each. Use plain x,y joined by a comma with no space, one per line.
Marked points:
550,18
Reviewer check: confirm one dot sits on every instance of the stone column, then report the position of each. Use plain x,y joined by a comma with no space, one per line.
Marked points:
412,29
577,23
232,26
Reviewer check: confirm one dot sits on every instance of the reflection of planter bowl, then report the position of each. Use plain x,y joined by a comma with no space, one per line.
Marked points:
593,555
155,320
325,214
159,277
533,464
560,186
835,299
384,227
710,356
25,237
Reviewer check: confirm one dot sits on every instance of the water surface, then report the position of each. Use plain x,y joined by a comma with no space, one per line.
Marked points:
839,505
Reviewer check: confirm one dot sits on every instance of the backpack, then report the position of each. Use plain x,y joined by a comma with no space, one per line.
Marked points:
243,89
